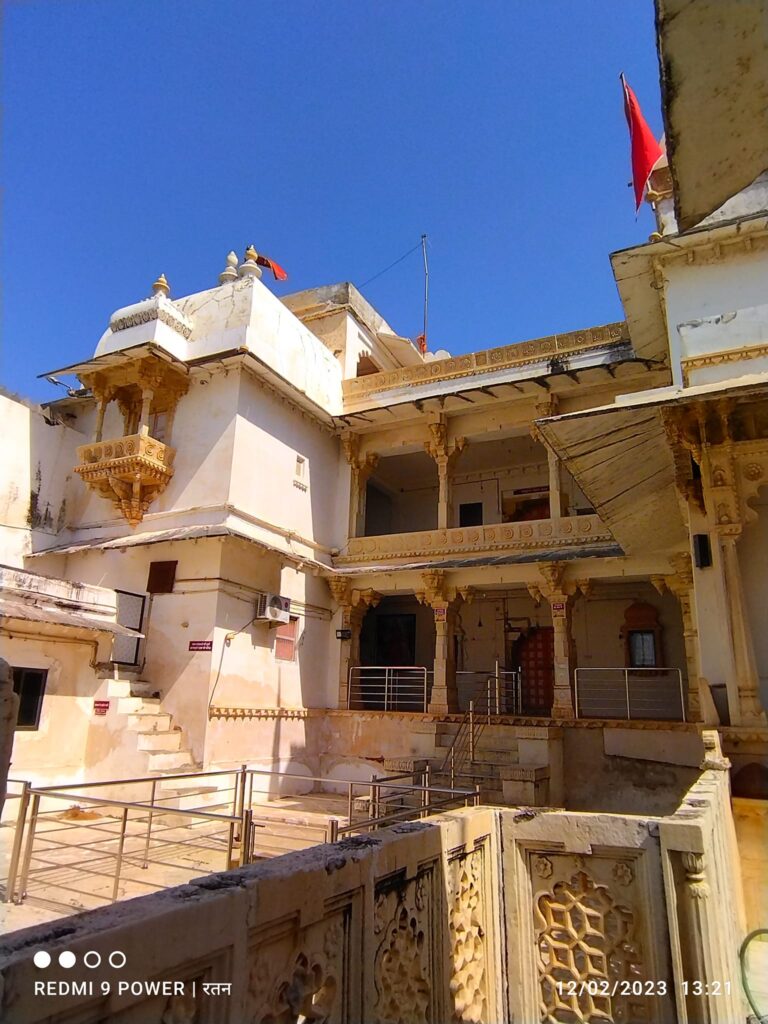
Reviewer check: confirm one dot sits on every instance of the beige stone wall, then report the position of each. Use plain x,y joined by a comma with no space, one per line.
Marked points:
35,478
751,821
481,915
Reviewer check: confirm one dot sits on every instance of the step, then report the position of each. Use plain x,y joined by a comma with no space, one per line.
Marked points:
139,705
119,688
160,741
141,688
175,761
142,722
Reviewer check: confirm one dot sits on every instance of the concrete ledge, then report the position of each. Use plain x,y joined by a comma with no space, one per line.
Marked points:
668,746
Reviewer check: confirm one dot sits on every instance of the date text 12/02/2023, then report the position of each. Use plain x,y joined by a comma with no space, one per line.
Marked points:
637,987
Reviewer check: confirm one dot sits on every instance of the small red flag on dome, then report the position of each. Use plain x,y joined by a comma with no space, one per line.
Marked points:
277,270
646,151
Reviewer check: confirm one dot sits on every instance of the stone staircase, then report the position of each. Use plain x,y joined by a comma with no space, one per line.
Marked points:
496,767
156,736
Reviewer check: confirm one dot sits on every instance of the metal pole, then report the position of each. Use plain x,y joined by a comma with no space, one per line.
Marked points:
453,767
576,690
477,795
332,831
18,836
119,858
472,732
246,837
230,845
149,825
498,688
626,687
242,782
350,786
488,700
28,848
426,700
426,284
682,695
427,781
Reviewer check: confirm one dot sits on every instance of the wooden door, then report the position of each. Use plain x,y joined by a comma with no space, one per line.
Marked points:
536,660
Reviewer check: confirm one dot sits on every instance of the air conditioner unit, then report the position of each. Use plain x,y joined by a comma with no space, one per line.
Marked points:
273,608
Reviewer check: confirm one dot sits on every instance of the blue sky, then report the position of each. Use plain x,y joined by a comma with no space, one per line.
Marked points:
142,136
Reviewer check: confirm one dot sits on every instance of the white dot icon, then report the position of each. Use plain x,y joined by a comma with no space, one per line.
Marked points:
41,958
67,959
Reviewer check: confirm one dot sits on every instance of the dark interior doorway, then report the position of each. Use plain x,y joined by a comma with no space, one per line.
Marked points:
534,655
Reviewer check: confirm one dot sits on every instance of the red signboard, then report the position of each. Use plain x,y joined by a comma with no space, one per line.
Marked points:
100,707
201,645
558,606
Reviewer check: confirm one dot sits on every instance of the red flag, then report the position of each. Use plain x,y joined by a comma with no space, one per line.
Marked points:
645,149
277,270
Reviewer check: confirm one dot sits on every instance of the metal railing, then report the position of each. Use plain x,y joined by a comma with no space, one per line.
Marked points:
494,695
156,826
388,688
630,693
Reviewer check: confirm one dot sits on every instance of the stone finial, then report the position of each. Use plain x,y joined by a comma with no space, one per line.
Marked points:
161,286
229,273
250,267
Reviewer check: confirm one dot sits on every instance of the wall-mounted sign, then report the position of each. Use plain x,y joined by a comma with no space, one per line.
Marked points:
440,614
558,606
201,645
343,634
100,707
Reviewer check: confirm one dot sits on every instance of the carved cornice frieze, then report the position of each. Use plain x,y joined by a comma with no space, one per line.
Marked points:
165,314
540,535
489,360
721,358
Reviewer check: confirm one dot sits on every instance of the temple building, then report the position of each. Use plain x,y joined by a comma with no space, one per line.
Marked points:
273,532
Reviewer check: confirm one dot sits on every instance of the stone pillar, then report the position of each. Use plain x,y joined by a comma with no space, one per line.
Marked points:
680,584
9,710
354,605
361,469
750,711
445,454
559,594
444,601
147,395
555,486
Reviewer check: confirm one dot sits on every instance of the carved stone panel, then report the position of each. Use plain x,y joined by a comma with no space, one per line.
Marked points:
468,936
589,928
403,970
300,975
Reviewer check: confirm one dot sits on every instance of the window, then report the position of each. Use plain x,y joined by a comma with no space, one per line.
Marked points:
285,639
471,514
29,683
158,425
642,648
162,576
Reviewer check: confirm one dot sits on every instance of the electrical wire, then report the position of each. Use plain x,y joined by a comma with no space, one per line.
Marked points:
399,260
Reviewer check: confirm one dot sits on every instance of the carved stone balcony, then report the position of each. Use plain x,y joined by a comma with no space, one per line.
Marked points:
536,535
130,472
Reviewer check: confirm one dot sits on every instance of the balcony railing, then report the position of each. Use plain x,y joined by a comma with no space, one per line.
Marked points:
631,693
537,534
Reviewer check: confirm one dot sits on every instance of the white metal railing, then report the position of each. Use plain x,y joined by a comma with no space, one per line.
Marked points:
388,688
494,694
630,693
495,691
135,833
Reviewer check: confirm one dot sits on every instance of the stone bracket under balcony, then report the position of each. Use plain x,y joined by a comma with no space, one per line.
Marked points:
534,535
130,472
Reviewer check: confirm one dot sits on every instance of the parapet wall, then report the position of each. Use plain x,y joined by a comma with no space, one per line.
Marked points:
481,915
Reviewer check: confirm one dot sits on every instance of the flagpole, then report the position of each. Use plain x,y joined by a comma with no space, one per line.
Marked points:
426,285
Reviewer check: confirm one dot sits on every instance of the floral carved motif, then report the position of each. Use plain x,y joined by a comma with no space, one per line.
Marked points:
469,981
402,967
587,936
307,986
